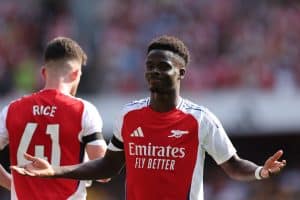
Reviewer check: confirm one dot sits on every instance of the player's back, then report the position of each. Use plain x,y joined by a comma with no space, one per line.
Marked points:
46,124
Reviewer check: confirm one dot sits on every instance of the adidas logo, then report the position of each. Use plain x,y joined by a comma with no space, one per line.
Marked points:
137,133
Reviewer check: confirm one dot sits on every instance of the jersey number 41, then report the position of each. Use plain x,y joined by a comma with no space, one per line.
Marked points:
53,131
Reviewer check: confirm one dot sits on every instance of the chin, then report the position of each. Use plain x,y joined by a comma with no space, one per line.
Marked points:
160,90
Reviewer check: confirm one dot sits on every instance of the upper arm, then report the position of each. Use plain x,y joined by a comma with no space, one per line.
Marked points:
91,135
91,122
231,164
215,140
96,150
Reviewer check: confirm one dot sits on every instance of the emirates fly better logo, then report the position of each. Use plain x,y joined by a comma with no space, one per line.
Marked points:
156,157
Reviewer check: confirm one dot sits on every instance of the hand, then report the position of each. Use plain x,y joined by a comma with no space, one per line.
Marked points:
104,180
37,167
273,165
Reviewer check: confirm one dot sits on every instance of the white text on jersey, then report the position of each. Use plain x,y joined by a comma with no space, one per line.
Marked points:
44,110
155,157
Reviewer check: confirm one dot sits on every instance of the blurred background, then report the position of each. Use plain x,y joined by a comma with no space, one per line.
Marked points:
245,67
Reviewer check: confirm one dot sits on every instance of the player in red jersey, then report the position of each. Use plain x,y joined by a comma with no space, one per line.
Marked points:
162,139
54,125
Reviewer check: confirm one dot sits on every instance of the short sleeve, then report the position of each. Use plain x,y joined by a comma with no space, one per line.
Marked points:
91,120
3,129
215,140
116,143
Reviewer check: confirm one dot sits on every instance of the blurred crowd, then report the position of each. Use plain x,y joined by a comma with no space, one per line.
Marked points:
233,44
283,187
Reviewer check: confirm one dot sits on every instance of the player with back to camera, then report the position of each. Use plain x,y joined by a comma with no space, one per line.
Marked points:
54,125
162,139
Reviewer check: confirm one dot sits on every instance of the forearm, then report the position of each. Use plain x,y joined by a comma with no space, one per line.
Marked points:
92,170
244,170
240,169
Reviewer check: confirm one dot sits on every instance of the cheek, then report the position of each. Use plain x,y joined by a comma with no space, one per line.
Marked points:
146,75
173,74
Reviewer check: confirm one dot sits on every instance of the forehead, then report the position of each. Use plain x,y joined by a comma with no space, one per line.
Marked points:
163,55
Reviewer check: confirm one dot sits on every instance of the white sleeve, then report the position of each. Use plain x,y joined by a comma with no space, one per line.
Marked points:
215,140
116,142
91,121
3,129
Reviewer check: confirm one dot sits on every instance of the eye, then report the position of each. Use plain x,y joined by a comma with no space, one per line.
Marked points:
149,67
163,66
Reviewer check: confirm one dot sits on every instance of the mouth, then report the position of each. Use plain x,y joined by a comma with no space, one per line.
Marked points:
154,80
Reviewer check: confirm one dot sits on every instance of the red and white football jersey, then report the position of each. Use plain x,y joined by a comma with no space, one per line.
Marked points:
165,151
50,125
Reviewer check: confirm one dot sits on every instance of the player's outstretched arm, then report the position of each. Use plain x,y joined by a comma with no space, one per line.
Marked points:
97,151
5,178
241,169
105,167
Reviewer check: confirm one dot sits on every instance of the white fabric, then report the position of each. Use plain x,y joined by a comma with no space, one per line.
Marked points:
213,140
119,121
3,129
91,120
80,194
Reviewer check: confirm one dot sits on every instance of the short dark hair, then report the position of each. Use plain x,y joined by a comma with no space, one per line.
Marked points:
170,43
63,47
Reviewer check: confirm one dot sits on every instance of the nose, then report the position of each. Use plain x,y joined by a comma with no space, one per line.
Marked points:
155,71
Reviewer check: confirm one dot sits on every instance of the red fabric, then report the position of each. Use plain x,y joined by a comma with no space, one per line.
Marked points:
67,116
152,148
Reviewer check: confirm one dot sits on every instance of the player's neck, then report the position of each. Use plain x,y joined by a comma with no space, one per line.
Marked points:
164,102
63,88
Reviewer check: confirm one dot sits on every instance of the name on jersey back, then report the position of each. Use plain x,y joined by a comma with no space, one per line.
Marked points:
39,110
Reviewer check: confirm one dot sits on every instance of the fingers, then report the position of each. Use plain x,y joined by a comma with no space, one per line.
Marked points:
276,156
23,171
273,166
18,170
29,157
104,180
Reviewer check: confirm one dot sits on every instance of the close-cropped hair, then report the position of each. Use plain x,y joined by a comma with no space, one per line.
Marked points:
170,43
64,48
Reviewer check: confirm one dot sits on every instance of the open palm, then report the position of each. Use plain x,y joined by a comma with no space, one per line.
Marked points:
37,167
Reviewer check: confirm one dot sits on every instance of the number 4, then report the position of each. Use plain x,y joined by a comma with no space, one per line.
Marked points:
53,131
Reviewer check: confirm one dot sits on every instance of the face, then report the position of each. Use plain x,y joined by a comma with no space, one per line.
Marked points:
164,69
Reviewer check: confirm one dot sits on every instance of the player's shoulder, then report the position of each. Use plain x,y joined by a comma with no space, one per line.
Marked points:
85,102
198,110
20,100
135,105
190,106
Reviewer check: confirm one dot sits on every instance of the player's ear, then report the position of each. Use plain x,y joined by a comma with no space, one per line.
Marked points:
43,72
75,74
181,73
